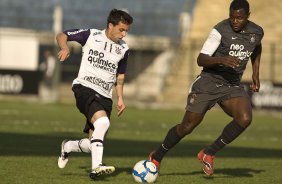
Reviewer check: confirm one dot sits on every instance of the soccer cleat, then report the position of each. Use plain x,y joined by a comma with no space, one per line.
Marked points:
207,161
157,163
63,158
101,170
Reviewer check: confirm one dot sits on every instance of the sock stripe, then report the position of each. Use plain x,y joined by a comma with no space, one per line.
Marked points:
79,142
96,140
169,142
230,132
164,147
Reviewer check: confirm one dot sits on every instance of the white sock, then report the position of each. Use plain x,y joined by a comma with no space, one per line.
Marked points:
85,145
82,145
101,126
97,154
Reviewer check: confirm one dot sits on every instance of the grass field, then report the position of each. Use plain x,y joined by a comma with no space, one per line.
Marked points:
31,134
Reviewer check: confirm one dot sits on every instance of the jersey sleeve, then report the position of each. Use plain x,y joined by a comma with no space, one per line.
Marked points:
78,35
261,36
122,65
212,43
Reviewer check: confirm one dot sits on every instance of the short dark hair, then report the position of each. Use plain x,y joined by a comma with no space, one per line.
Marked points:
240,4
117,16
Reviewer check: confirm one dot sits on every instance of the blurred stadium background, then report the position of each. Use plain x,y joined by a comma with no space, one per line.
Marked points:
165,40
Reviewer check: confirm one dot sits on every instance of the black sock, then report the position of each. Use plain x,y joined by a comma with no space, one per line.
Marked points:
170,140
229,133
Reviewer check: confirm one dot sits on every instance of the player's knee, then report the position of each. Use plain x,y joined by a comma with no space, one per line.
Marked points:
102,123
245,120
185,129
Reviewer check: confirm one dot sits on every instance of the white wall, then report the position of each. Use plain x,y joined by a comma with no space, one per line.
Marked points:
19,50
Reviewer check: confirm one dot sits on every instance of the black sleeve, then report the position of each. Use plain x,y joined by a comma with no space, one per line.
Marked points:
122,65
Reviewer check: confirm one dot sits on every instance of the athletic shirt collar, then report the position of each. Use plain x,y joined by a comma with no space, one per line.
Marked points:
105,36
109,40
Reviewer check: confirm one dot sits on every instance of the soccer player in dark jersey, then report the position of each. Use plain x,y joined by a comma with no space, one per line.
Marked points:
103,65
224,57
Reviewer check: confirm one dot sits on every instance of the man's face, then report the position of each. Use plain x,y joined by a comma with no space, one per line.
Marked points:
238,19
117,32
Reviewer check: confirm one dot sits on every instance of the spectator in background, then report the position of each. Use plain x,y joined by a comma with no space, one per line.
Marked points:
48,67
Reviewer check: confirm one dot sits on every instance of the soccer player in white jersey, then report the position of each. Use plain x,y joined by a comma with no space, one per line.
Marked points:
103,65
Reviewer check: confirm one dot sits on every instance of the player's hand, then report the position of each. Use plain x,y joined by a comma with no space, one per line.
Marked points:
120,107
254,87
63,54
231,61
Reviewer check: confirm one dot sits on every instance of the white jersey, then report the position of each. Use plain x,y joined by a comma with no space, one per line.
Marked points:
100,60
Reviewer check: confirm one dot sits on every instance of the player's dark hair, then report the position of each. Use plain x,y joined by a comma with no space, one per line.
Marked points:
117,16
240,4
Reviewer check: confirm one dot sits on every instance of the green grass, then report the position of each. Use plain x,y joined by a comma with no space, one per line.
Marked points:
31,134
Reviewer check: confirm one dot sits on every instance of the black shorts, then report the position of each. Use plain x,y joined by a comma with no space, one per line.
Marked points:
88,102
206,91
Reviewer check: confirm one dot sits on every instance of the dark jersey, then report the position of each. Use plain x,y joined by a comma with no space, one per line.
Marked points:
240,45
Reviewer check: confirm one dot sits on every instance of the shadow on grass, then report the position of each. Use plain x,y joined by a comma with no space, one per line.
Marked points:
118,171
222,173
46,145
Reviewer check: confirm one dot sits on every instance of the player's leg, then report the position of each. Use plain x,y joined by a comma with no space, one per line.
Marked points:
197,105
101,124
241,110
82,145
190,121
82,97
68,146
90,133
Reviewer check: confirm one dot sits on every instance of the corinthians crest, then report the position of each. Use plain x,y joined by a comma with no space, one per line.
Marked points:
118,50
253,38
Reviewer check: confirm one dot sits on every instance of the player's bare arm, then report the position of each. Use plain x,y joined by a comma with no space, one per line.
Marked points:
119,89
205,60
255,59
64,53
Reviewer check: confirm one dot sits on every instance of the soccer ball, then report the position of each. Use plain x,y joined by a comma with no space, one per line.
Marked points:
145,171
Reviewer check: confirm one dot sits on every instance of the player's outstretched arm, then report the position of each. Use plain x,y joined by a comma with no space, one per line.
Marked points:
64,52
